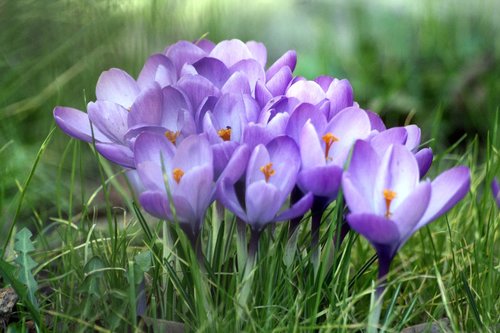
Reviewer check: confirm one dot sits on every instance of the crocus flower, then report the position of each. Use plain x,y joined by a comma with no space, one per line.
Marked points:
495,189
183,174
387,201
257,183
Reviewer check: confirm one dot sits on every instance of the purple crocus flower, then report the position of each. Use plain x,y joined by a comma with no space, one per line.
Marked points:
256,184
387,201
184,175
495,189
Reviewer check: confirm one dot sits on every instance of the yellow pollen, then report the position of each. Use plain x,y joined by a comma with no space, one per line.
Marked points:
268,171
225,133
329,139
177,173
172,136
389,195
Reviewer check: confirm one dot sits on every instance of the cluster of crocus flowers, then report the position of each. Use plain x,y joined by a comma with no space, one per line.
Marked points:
205,122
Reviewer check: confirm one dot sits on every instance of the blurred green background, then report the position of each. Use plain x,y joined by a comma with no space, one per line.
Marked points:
433,63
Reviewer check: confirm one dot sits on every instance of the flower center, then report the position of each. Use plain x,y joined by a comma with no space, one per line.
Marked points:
177,173
268,171
172,136
225,133
389,195
329,139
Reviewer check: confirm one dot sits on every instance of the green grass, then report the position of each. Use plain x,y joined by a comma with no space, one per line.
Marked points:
103,266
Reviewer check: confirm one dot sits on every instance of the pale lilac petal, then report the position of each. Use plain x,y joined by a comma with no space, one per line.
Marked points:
300,116
259,52
259,158
382,141
311,152
375,121
148,108
231,51
340,94
297,209
205,44
251,69
278,84
237,83
324,81
237,165
157,68
197,88
289,59
322,181
76,123
118,87
262,204
222,153
256,134
377,229
109,118
413,137
447,189
184,52
306,92
192,152
116,153
285,156
407,214
262,94
196,187
176,111
361,176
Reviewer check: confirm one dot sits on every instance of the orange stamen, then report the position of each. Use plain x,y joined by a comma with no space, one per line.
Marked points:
225,133
389,195
172,136
329,139
177,173
268,171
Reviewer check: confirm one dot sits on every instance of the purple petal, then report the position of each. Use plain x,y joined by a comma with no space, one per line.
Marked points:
323,181
116,153
227,196
447,189
197,88
184,52
495,190
376,229
213,69
340,95
147,108
382,141
289,59
278,84
311,152
298,209
262,203
118,87
259,158
359,179
109,118
262,94
306,92
324,81
196,187
76,123
424,160
156,204
413,136
205,44
375,121
237,164
285,156
407,214
237,83
259,52
192,152
256,134
157,68
231,51
251,69
300,116
222,153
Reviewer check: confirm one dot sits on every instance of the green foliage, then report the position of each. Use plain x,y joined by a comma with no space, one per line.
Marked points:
23,246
